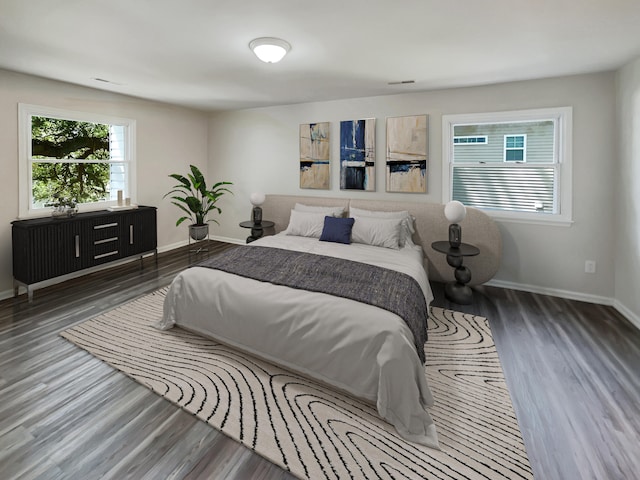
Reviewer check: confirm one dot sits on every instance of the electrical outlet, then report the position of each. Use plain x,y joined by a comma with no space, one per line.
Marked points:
590,266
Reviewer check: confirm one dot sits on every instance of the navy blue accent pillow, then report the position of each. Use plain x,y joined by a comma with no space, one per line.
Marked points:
337,230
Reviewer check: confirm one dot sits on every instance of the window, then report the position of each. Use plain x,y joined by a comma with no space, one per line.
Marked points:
72,156
522,172
469,140
515,148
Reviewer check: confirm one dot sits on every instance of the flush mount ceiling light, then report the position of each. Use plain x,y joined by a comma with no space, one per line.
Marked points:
269,49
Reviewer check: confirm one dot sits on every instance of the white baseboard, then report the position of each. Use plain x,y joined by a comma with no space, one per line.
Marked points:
583,297
184,243
632,317
237,241
554,292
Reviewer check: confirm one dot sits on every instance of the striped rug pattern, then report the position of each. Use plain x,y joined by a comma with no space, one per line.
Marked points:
309,429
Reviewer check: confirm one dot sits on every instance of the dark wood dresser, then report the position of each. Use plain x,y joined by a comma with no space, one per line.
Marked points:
45,248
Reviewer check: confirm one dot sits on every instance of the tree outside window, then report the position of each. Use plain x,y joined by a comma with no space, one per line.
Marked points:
70,168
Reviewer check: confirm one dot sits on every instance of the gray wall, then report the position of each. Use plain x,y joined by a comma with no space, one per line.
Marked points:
258,150
627,189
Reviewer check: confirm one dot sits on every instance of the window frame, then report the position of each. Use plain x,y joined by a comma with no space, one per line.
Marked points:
563,118
485,139
25,180
523,149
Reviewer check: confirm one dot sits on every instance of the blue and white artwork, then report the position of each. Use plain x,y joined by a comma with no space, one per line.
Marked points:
407,154
358,154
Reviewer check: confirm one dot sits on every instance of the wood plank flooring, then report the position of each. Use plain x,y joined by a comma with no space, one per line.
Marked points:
572,369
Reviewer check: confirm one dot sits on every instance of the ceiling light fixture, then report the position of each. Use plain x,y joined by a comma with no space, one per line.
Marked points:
269,49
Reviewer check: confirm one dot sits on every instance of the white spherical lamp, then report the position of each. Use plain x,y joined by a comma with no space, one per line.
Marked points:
257,199
455,211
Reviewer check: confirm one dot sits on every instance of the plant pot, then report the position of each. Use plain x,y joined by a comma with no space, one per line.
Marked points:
199,232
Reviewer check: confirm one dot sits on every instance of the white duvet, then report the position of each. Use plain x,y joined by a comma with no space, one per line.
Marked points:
364,350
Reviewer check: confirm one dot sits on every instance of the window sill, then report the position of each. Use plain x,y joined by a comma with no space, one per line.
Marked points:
532,219
87,207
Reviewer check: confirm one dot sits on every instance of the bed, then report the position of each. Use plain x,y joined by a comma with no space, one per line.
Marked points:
363,349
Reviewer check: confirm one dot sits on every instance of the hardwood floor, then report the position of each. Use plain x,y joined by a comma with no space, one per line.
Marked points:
571,367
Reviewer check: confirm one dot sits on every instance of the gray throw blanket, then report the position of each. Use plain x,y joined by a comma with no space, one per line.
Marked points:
387,289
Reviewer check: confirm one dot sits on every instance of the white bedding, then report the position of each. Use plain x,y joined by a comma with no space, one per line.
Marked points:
362,349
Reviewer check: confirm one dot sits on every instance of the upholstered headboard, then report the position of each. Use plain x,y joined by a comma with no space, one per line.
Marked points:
431,225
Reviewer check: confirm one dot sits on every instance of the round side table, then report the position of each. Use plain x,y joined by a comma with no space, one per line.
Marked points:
257,229
458,291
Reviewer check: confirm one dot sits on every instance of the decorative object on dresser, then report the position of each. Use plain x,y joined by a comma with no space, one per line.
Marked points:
45,248
64,207
196,200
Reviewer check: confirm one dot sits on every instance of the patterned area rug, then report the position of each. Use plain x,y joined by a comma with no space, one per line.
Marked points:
309,429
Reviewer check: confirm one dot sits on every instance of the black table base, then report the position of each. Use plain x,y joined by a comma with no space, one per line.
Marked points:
458,291
257,229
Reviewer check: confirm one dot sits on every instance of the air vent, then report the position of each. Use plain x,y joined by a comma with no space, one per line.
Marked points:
97,79
402,82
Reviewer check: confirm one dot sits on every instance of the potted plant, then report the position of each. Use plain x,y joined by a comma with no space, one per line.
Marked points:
193,197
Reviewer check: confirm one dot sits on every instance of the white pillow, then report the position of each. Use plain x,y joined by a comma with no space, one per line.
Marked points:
305,224
379,232
331,211
407,222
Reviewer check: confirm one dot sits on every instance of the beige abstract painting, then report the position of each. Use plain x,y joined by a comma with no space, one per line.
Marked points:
314,156
407,154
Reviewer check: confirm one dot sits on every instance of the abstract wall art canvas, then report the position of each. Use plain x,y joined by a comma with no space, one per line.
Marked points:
314,156
407,154
358,154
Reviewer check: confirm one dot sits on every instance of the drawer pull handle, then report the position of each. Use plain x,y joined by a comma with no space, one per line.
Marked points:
77,246
106,225
106,240
108,254
130,234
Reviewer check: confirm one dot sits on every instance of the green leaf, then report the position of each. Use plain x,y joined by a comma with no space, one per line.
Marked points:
194,204
193,197
199,182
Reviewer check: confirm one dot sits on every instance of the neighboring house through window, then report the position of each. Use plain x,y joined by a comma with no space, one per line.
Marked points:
515,147
519,170
78,157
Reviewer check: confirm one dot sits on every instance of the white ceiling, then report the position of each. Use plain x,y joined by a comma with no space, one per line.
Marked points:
195,52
